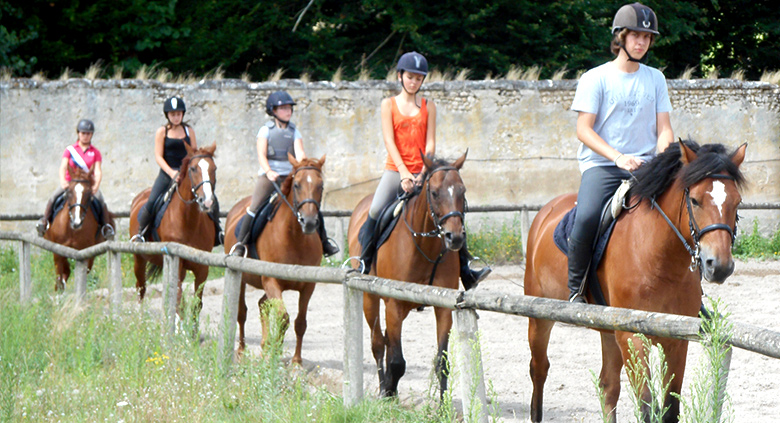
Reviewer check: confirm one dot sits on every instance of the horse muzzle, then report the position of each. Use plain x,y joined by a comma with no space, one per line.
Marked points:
206,204
454,241
308,224
715,269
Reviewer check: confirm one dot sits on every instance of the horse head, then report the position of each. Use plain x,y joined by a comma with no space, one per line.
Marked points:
711,179
306,183
201,175
446,197
79,195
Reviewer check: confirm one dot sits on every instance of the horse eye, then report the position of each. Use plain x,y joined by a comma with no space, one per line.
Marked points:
435,194
297,185
694,202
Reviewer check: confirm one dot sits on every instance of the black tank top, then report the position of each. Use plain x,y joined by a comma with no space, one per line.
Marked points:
174,151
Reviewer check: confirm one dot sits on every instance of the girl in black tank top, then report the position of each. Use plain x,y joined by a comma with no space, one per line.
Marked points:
174,150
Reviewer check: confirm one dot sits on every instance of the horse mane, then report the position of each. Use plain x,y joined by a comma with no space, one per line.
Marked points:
437,163
287,184
79,173
654,177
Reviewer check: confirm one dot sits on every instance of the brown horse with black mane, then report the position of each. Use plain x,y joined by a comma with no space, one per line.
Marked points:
75,225
290,238
679,228
186,220
431,231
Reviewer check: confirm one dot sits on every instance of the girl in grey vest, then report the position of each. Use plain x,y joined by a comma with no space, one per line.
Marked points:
275,139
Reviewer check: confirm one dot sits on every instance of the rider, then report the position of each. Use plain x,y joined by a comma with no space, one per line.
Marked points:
623,119
408,127
275,139
169,151
84,155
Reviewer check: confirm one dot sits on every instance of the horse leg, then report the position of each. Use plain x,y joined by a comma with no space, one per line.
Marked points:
62,268
609,379
443,326
538,340
139,268
394,362
371,312
676,355
242,309
637,382
201,273
300,321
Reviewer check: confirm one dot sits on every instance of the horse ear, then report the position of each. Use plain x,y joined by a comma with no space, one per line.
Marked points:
292,160
739,155
322,160
211,149
459,163
189,149
686,154
426,160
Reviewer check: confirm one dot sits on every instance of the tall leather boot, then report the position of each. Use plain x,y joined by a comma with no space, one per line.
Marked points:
43,224
219,235
580,255
242,240
468,276
144,221
329,247
367,243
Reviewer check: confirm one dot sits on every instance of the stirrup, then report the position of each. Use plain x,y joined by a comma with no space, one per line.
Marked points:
137,238
483,273
108,232
232,251
42,228
362,264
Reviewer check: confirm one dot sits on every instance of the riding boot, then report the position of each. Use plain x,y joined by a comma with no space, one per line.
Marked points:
329,247
144,221
43,224
107,228
468,276
219,235
367,243
242,240
579,262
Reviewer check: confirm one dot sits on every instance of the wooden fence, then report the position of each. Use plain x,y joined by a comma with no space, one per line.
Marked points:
464,304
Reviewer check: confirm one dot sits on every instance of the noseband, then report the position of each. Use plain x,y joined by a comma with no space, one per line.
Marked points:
296,205
697,233
437,232
194,187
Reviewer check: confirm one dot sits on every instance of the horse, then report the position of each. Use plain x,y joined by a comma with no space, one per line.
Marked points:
290,238
186,220
428,240
78,228
680,216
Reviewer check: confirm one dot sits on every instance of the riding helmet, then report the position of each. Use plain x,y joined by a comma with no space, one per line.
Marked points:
85,125
635,17
278,98
413,62
174,103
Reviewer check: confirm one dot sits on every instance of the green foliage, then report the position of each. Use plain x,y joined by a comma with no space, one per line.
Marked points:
368,35
755,245
497,244
647,368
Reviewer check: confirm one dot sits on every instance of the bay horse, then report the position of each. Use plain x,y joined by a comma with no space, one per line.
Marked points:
431,229
186,220
75,225
649,264
291,238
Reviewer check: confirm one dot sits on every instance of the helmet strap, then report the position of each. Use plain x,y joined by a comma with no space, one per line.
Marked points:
631,58
404,86
279,120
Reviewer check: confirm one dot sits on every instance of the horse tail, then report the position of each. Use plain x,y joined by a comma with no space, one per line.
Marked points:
153,271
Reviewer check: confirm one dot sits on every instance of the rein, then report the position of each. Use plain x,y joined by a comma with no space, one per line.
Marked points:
696,233
295,206
194,187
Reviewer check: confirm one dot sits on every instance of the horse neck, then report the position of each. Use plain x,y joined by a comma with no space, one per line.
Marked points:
182,202
286,218
419,217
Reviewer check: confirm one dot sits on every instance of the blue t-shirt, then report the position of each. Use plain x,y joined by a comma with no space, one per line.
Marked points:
625,105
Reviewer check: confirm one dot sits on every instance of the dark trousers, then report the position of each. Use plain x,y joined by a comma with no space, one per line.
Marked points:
597,186
161,184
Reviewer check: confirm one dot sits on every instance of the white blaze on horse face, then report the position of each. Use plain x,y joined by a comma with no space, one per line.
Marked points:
308,178
204,173
451,190
718,195
79,190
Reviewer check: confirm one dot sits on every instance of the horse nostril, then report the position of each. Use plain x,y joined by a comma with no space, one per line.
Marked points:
448,236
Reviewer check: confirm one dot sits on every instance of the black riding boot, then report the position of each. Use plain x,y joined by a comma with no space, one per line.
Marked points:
367,243
219,236
329,247
242,240
468,276
579,261
144,221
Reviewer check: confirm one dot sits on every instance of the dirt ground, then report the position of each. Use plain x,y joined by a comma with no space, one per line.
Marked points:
752,295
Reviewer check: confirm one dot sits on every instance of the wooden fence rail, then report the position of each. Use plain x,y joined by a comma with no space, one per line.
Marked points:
465,303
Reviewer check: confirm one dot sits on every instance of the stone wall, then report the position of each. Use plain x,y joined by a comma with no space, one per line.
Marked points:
520,134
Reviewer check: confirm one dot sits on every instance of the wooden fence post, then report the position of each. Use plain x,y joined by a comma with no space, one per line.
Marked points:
25,275
353,346
227,335
80,274
115,280
170,291
472,379
525,226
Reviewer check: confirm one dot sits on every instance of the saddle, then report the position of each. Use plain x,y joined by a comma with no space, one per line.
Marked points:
158,211
609,215
389,217
266,214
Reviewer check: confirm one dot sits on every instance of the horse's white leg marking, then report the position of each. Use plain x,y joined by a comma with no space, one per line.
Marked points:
718,195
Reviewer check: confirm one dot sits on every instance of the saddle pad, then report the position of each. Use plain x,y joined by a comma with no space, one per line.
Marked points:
266,213
94,206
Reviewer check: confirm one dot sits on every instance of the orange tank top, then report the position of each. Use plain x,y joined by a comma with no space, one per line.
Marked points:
410,133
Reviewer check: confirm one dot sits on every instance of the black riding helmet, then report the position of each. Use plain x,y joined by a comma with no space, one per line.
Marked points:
413,62
635,17
85,125
172,104
278,98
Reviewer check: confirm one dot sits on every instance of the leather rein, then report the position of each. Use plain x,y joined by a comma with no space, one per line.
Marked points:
296,205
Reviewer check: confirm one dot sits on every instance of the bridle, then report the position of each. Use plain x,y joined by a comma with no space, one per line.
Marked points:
296,205
696,232
76,205
194,187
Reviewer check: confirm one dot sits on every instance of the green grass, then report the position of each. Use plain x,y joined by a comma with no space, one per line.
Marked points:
64,363
755,245
498,244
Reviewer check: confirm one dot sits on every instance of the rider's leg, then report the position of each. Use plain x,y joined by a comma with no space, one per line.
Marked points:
145,217
469,276
43,222
385,193
329,247
263,189
219,236
106,222
598,184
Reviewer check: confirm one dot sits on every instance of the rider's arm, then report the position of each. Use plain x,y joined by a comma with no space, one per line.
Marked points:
64,171
97,172
592,140
665,133
193,141
430,137
300,154
159,149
